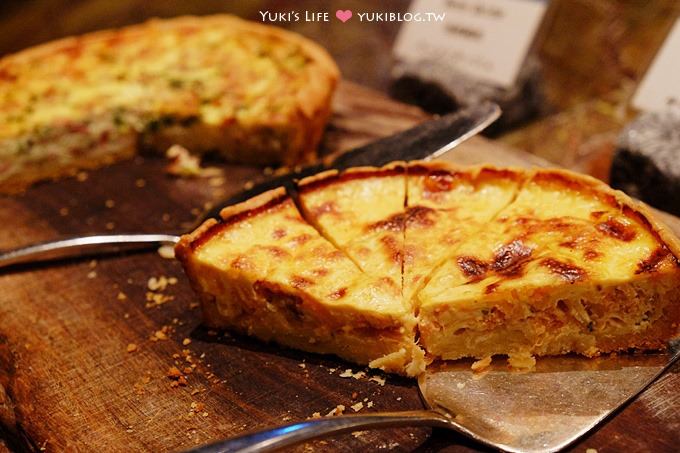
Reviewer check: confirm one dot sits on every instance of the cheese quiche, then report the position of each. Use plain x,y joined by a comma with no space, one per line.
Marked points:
263,271
569,266
361,212
244,91
397,266
444,206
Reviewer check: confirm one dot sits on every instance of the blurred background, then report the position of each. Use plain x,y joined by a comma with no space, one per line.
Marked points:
591,54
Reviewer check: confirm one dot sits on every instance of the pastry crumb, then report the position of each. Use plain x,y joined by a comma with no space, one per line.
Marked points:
166,251
349,374
131,347
337,410
121,296
109,203
378,379
460,385
481,364
357,407
591,450
82,176
522,361
182,163
186,341
140,182
92,274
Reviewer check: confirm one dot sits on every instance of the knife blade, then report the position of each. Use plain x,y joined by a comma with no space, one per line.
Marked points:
427,140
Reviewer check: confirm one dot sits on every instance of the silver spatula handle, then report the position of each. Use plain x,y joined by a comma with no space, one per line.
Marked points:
83,246
296,433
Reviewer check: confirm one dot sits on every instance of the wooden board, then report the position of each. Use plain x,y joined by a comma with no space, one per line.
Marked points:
68,382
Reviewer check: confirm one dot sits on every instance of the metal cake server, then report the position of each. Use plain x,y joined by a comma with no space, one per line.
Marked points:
543,410
424,141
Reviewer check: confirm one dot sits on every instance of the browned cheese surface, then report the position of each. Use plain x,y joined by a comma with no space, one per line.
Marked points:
68,382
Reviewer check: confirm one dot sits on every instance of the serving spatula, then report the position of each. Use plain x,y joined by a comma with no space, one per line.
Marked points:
542,410
428,140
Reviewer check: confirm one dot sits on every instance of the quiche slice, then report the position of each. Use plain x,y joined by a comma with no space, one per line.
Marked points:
263,271
362,212
245,91
570,266
446,205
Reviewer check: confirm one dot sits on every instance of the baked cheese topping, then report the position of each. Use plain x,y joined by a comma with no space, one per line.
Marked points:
251,92
493,261
215,71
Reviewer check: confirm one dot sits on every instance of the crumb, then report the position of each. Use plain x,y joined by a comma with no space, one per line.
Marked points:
302,365
357,407
481,364
378,379
63,212
316,415
205,414
358,434
131,347
248,185
82,176
92,264
165,217
159,335
110,226
109,203
338,410
399,398
174,373
348,373
121,296
157,299
126,315
354,395
166,251
160,283
591,450
92,274
522,361
460,385
186,341
369,404
182,163
141,182
193,305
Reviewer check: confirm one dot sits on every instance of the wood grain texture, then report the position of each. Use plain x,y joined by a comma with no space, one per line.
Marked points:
68,382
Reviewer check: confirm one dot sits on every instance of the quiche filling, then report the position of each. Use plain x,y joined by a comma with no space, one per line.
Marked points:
398,266
248,92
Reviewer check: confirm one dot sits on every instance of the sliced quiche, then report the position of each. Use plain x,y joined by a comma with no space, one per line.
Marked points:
262,270
481,261
244,91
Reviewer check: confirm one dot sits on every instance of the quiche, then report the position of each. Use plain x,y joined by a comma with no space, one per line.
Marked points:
412,262
243,91
262,270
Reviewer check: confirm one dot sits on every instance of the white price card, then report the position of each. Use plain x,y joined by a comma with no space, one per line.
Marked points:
485,39
661,84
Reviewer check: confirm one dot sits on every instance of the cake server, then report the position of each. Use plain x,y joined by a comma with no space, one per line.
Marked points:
544,410
428,140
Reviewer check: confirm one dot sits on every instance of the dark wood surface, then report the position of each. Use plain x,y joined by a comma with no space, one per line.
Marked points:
68,382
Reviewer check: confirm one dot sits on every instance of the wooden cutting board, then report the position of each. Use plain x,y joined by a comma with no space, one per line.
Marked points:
68,382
